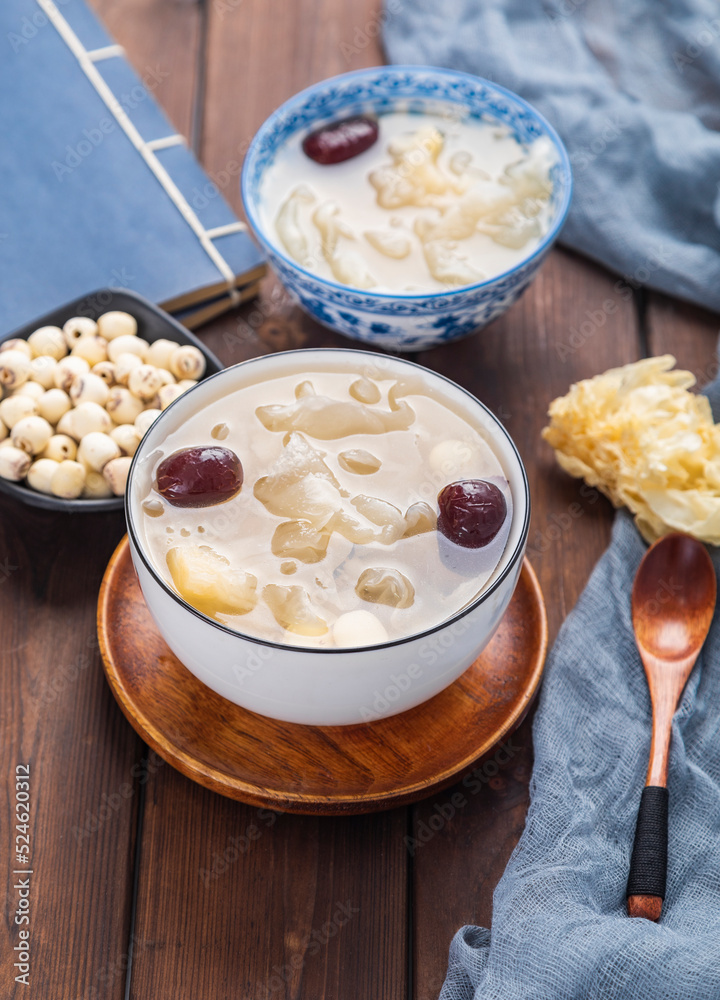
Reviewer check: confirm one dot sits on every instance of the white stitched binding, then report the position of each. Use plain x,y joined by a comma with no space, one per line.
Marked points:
121,116
107,52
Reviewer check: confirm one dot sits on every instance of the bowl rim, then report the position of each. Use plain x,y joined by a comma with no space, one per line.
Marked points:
286,107
512,561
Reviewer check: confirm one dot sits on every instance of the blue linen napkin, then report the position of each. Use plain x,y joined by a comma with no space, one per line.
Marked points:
559,928
632,87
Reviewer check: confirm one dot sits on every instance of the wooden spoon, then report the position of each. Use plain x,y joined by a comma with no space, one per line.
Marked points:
673,600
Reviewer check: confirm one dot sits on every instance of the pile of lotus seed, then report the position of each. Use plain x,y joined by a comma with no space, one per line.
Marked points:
78,400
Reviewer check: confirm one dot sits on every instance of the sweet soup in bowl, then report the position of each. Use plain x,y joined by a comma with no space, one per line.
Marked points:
406,206
304,524
409,202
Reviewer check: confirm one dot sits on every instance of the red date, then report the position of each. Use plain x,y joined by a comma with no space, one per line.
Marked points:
199,477
472,511
342,140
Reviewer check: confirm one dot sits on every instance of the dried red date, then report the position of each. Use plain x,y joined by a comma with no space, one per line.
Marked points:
472,511
199,477
341,140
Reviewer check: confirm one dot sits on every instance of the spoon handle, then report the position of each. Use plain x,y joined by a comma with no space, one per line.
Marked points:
648,867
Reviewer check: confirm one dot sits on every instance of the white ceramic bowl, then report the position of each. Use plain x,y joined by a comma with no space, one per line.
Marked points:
322,686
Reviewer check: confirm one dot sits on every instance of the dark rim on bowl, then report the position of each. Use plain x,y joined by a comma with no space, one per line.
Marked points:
33,498
480,599
286,110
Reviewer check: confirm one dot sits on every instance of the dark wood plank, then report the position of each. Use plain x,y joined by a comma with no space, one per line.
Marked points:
240,902
261,52
161,39
57,710
59,716
572,323
687,332
268,925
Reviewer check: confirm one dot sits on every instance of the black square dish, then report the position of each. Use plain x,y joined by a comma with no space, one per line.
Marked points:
153,324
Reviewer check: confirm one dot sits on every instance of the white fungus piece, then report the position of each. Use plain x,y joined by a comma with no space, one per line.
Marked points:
187,383
413,177
159,353
87,418
93,349
288,226
112,325
14,408
88,389
145,419
123,407
42,371
53,404
59,448
124,364
32,389
67,369
292,610
31,434
40,474
187,362
96,450
127,438
449,265
350,268
127,344
68,480
115,474
16,344
389,242
14,463
48,341
14,369
77,327
461,164
144,382
106,371
331,227
358,628
96,486
487,201
3,431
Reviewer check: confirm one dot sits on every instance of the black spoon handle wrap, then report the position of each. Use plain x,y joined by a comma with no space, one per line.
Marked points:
648,867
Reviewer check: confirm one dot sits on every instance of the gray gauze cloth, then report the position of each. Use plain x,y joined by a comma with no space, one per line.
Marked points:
559,928
633,88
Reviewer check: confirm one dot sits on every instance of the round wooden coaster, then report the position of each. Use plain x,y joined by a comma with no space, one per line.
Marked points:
324,770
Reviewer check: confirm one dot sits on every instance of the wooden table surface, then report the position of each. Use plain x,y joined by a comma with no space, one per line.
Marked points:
144,884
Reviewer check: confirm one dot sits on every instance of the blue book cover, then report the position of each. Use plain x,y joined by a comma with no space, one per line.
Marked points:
97,187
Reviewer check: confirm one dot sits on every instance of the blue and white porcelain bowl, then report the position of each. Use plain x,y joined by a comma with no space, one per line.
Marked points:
400,321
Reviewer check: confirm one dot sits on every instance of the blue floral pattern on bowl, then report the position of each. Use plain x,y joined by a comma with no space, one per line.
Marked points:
402,322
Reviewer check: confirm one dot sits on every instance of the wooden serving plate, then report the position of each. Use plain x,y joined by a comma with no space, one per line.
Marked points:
325,770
